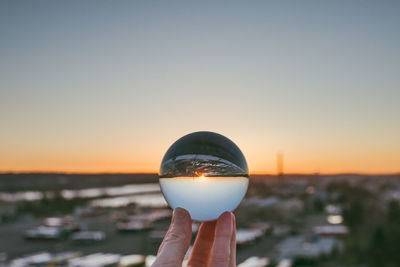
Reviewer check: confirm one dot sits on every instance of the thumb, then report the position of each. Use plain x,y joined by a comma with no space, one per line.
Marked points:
177,240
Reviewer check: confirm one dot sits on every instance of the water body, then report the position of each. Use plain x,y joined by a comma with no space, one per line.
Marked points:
129,189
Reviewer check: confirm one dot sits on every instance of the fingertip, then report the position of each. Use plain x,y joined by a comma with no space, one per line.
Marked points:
181,214
182,221
225,224
226,216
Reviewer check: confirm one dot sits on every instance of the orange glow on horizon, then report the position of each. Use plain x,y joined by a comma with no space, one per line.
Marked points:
141,157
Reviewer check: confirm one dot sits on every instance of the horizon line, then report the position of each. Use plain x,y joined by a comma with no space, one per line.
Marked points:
156,173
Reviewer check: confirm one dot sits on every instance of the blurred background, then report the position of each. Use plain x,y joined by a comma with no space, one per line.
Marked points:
92,94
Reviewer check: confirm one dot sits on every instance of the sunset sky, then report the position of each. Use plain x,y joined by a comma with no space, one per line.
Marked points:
106,86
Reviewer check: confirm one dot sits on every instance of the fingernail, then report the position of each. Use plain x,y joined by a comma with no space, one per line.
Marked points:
226,214
180,214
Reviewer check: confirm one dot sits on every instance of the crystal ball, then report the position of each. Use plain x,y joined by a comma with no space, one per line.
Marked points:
204,173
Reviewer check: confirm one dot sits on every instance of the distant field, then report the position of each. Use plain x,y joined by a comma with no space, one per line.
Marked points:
11,182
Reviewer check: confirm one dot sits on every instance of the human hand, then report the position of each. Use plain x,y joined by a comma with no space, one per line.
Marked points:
215,245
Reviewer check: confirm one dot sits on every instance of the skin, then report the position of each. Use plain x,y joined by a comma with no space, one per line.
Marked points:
215,245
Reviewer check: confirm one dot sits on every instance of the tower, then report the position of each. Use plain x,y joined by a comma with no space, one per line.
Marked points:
279,164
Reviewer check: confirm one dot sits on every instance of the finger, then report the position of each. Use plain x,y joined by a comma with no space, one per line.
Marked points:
176,241
233,244
221,250
203,244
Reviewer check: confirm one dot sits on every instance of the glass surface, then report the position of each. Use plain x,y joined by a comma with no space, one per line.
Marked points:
204,173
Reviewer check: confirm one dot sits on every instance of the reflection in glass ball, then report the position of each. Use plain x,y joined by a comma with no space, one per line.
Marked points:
204,173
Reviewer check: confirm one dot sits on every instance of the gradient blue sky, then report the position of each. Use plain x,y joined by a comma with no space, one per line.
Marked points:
98,86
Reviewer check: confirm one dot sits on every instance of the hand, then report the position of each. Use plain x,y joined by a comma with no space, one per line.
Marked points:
215,245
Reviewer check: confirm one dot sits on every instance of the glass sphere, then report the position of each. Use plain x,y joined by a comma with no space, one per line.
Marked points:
204,173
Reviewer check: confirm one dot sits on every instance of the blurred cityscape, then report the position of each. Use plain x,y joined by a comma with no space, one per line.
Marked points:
120,220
